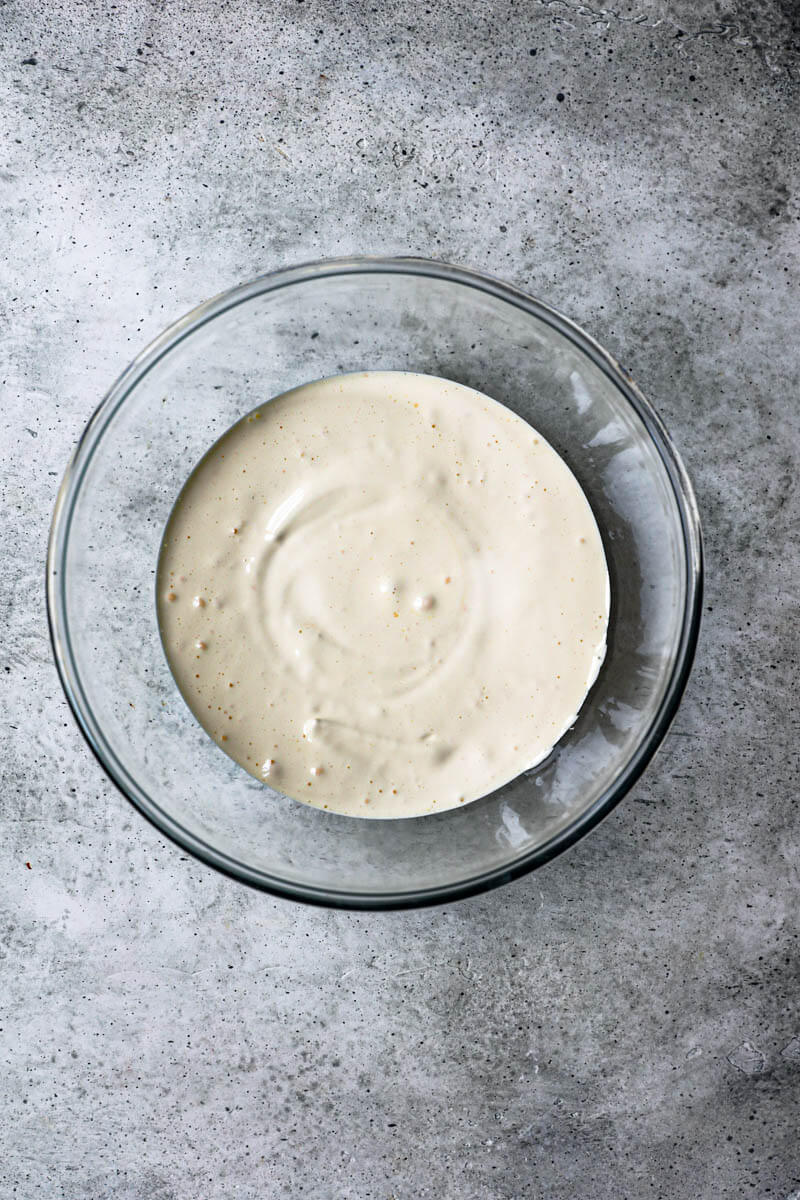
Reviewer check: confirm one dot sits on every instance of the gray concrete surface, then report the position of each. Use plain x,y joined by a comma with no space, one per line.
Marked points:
624,1023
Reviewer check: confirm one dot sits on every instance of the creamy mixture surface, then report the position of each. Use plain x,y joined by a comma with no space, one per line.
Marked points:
384,594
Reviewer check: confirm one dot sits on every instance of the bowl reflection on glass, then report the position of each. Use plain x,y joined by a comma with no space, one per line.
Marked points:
257,341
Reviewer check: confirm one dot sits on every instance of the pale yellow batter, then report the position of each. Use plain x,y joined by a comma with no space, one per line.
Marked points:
385,594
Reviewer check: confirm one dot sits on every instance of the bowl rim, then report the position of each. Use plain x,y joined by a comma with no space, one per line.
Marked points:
59,539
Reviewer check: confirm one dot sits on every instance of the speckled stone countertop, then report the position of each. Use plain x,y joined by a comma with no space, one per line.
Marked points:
624,1022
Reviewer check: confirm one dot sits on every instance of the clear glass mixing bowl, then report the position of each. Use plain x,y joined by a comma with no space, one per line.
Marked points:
259,340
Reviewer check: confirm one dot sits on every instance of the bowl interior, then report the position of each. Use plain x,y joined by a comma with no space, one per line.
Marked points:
255,343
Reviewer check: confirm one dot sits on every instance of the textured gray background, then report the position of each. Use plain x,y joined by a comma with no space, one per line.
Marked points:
623,1023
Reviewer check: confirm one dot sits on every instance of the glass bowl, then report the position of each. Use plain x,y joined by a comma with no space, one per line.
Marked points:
254,342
